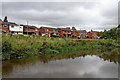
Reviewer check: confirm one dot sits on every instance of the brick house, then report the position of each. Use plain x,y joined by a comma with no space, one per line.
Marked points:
89,35
83,34
30,30
65,32
4,26
92,35
75,34
47,31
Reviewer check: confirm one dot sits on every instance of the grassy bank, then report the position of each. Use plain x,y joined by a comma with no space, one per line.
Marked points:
18,46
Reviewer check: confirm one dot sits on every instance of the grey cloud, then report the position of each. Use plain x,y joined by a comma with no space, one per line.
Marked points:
60,14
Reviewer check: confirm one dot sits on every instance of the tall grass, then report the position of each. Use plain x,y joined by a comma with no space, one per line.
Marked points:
18,46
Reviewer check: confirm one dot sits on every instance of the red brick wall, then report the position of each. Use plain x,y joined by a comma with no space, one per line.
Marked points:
91,34
30,29
44,31
76,33
61,32
5,28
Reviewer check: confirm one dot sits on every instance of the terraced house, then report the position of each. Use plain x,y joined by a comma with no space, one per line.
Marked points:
10,27
30,30
75,34
65,32
47,31
92,35
4,26
83,34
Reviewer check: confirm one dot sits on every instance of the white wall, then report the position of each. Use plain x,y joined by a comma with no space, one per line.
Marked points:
16,28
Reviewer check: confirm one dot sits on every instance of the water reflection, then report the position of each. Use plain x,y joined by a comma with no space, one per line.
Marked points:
86,66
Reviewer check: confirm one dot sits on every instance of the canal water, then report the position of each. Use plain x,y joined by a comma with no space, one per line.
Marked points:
90,66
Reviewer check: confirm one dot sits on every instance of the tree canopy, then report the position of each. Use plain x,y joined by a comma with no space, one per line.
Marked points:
73,28
113,33
0,19
5,19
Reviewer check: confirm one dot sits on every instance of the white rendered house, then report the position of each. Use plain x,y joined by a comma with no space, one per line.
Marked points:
16,29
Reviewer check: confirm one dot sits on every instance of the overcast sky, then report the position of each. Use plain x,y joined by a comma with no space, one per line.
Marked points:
96,15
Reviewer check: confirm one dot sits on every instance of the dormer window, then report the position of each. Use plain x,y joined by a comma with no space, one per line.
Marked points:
5,25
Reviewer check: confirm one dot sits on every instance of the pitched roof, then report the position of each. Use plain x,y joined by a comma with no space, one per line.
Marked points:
28,26
81,30
8,23
48,28
68,29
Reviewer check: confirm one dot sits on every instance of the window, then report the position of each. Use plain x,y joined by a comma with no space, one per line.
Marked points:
12,26
5,25
28,28
46,29
36,29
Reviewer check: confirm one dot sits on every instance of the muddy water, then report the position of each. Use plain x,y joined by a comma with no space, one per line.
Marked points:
79,67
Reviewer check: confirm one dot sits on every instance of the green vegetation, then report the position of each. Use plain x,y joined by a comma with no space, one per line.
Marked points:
113,33
5,19
0,19
19,46
55,36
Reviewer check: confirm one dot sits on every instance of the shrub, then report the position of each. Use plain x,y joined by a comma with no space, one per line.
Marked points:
6,47
56,36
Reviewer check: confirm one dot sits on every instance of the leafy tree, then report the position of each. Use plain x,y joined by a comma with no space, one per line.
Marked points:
0,19
91,30
119,26
5,19
118,32
112,33
73,28
104,30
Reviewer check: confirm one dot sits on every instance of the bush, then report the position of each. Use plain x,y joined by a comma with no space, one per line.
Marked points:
56,36
6,47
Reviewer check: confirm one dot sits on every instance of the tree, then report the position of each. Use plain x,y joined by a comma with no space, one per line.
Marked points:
0,19
119,26
5,19
73,28
104,30
91,30
118,33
